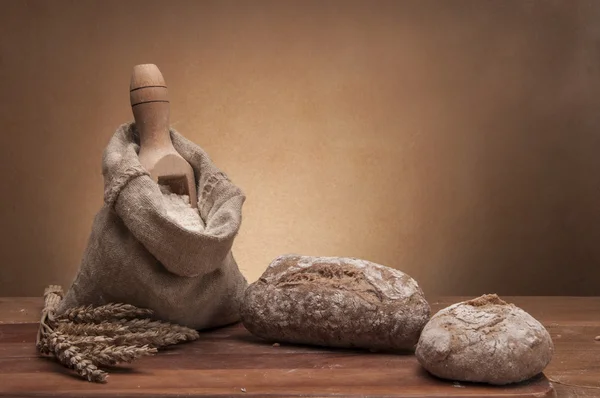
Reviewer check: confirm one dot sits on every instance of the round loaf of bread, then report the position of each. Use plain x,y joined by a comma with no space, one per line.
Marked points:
484,340
335,302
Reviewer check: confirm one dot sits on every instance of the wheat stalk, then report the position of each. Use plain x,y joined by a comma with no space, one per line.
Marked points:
90,314
142,325
92,329
84,341
142,331
112,355
155,338
70,356
86,337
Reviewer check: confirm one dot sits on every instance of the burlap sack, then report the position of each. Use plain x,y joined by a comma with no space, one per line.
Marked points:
136,255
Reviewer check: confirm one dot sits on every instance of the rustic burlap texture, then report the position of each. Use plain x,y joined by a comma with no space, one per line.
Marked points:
136,255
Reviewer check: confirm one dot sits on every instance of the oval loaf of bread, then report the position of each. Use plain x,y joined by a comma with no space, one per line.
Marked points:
484,340
335,302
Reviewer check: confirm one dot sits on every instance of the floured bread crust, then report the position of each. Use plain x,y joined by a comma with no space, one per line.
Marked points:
484,340
337,302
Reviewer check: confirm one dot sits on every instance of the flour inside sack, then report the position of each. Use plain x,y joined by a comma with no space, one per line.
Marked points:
179,210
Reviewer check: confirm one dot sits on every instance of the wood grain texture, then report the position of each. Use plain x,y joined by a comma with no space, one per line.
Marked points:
225,361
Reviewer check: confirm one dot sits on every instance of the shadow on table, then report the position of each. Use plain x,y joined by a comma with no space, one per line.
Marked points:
248,338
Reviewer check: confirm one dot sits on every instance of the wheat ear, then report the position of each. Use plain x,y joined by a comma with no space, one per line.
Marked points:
143,325
114,354
70,356
92,329
90,314
84,338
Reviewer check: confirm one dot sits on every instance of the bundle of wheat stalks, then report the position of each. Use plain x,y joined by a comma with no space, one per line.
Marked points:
85,338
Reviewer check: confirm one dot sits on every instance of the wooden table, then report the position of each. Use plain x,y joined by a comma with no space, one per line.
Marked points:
230,362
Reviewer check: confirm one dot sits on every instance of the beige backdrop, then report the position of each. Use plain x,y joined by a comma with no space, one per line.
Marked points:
454,140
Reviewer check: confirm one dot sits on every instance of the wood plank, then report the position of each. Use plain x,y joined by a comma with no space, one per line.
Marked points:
20,309
231,360
305,382
226,360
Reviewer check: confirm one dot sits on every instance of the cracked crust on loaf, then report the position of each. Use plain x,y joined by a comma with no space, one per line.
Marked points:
484,340
336,302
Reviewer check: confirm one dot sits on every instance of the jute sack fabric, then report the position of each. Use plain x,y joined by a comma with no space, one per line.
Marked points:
137,255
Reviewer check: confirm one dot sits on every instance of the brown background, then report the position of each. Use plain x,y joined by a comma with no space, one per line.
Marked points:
455,140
